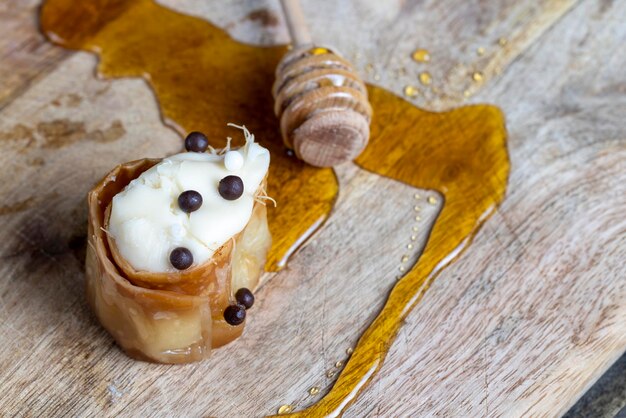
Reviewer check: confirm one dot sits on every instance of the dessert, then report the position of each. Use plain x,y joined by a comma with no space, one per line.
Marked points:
176,247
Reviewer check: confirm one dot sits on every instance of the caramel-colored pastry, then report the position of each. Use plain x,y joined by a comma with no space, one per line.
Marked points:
171,269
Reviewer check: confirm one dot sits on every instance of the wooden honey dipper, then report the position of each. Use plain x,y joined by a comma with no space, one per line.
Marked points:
320,100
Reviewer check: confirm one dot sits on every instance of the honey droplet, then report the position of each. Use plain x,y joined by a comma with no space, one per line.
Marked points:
416,196
410,91
318,51
417,208
377,77
413,237
421,55
405,258
410,246
502,41
432,200
425,78
285,409
314,390
467,93
480,51
349,350
418,218
339,364
401,268
401,71
330,374
477,76
415,229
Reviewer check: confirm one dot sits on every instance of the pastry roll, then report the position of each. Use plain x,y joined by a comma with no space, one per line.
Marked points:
176,246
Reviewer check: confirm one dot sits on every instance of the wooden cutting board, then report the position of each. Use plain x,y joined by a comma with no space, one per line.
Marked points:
520,325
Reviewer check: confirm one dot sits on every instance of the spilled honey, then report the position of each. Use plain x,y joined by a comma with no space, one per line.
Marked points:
203,79
460,153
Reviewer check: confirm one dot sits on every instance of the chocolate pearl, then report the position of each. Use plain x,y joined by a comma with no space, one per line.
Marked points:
196,142
235,314
231,187
181,258
189,201
245,298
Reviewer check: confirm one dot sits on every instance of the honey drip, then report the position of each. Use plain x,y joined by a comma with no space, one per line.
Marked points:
203,79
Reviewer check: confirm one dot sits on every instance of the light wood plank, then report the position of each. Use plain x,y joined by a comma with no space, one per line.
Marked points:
521,325
534,312
304,319
380,36
25,55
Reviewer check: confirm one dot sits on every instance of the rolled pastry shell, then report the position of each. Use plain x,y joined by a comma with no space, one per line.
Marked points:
168,317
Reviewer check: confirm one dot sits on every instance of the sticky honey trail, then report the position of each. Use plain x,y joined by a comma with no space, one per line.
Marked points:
202,78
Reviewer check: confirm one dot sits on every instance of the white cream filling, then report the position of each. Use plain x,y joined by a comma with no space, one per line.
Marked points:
147,224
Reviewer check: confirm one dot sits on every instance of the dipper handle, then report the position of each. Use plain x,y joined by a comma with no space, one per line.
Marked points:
296,23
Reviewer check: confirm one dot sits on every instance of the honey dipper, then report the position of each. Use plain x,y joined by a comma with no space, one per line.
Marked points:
320,100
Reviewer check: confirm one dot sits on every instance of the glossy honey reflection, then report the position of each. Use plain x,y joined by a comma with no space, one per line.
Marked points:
203,79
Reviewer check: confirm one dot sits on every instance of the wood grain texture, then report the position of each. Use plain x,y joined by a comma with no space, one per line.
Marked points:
534,312
25,55
521,325
378,37
91,375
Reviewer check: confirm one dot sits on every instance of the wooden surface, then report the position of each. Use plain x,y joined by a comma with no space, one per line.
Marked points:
521,325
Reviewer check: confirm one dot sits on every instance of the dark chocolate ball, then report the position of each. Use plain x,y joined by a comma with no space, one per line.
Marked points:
245,298
189,201
181,258
231,187
235,314
196,142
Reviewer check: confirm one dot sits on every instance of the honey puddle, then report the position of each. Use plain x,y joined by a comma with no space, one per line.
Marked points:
203,79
